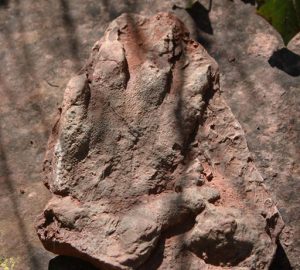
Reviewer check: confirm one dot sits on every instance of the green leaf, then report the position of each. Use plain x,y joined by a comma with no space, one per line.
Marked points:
283,15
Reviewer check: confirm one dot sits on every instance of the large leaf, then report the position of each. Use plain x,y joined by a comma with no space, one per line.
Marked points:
284,15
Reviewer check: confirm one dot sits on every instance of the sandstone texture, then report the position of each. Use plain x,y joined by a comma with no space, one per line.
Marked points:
148,167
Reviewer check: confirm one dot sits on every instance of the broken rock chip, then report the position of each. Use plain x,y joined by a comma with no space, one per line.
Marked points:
140,129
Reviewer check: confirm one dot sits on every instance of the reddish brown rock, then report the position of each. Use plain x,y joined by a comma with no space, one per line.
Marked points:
148,167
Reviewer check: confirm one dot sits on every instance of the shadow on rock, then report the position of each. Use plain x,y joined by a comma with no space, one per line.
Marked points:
69,263
200,15
231,254
287,61
251,2
280,261
3,3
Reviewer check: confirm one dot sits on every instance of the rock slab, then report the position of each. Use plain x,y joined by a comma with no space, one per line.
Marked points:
147,165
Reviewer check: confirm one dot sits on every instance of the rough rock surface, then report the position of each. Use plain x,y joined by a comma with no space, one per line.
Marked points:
148,166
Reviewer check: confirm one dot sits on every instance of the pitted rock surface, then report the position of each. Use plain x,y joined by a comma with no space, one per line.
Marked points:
148,167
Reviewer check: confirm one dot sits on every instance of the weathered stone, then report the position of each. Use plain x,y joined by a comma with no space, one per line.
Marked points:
124,168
